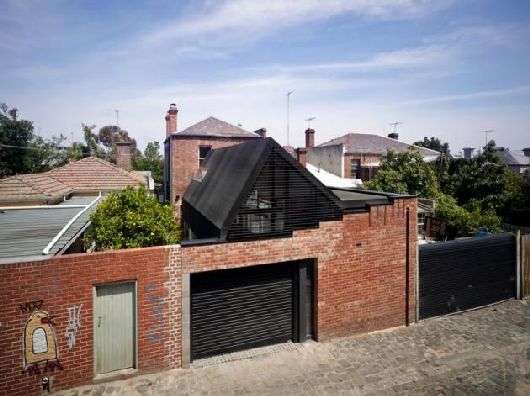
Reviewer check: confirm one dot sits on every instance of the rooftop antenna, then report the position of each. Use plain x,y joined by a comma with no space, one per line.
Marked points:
395,124
309,121
288,95
487,133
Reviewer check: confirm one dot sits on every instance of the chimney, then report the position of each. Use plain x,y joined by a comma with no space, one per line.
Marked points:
394,135
262,132
301,155
526,152
468,152
123,155
309,138
171,119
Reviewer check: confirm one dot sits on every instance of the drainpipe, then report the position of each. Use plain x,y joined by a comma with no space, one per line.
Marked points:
407,265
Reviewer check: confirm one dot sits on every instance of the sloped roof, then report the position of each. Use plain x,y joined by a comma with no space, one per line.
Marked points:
375,144
88,174
513,158
26,232
231,173
213,127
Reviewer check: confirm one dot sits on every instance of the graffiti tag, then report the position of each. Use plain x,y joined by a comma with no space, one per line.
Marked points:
74,323
156,314
31,306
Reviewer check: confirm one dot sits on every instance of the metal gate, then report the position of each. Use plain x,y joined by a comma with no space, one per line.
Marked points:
464,274
114,327
244,308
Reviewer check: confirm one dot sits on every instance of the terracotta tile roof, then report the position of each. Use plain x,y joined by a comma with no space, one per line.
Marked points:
215,128
88,174
374,144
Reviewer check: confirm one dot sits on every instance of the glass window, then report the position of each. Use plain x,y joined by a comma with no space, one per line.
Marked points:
203,152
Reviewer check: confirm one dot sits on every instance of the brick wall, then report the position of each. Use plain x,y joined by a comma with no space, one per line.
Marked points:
185,158
361,266
366,160
360,285
67,281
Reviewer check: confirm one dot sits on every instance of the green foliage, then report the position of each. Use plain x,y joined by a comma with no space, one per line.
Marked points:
152,161
463,222
434,143
132,219
109,135
405,173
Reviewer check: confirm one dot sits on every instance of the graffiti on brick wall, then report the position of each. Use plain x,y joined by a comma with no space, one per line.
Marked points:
156,314
31,306
40,344
74,323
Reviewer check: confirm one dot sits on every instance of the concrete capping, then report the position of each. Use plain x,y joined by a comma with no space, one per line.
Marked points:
186,321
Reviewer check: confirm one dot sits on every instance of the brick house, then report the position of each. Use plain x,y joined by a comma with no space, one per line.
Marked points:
185,150
357,155
274,256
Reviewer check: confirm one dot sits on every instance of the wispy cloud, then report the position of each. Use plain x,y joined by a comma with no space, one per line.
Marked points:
266,17
497,93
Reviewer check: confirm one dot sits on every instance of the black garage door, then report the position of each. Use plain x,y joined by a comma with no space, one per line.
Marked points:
465,274
241,308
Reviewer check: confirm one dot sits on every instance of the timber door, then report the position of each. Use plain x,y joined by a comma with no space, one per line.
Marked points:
114,327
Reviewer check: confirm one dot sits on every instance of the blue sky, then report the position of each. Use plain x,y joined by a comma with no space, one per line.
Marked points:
446,68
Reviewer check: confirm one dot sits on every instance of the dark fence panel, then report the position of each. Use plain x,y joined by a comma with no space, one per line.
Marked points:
463,274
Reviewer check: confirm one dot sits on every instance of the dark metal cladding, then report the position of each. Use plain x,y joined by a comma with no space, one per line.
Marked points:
241,308
465,274
282,199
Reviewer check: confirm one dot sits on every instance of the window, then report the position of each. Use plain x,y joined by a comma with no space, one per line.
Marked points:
203,152
355,169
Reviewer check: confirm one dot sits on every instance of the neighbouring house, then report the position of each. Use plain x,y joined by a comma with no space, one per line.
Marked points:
357,155
273,256
518,162
185,151
45,214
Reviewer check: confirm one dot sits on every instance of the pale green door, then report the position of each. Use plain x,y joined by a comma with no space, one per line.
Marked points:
114,327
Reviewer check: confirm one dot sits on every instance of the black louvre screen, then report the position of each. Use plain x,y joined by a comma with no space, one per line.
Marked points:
281,200
464,274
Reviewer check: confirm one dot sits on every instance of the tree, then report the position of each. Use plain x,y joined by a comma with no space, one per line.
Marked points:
15,138
405,173
152,161
434,143
109,135
131,219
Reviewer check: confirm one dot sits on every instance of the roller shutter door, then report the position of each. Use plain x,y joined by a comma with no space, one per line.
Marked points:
241,308
465,274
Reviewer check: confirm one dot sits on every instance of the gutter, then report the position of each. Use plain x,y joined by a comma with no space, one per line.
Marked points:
46,250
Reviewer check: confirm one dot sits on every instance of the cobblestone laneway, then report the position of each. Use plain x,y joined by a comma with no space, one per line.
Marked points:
484,352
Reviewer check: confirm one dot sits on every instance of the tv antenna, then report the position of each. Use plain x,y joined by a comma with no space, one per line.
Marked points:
288,95
309,121
487,133
395,124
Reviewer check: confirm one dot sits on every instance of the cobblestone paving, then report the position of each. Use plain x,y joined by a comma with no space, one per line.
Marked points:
483,352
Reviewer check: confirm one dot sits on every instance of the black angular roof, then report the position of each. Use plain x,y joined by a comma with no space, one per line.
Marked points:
231,173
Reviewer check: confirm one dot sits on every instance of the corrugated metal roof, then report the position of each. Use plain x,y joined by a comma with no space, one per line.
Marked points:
25,232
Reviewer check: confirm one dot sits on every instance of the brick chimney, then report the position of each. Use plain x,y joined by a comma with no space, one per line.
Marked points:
262,132
124,155
526,151
309,137
468,152
301,155
394,135
171,119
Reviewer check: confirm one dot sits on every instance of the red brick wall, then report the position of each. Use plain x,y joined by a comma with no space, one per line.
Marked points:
67,281
361,266
185,159
366,160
